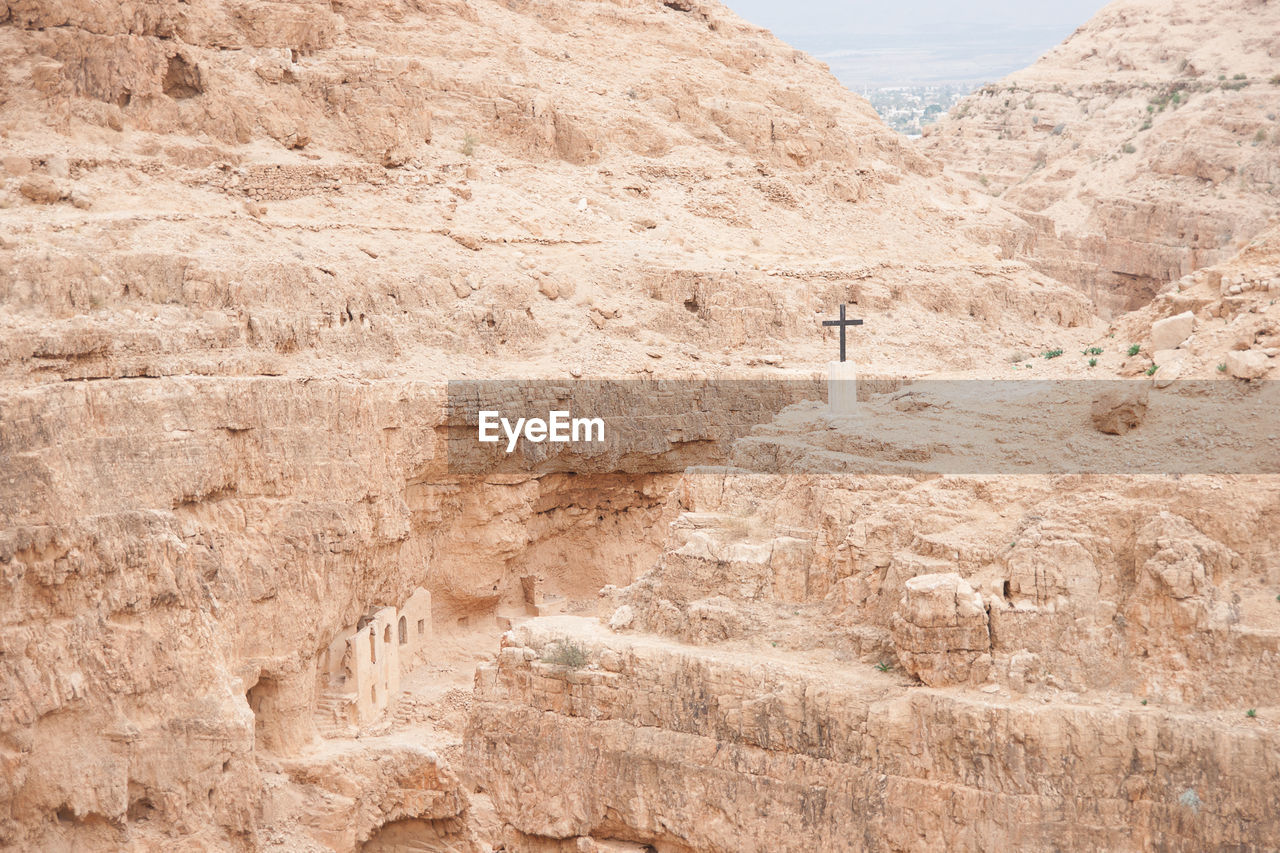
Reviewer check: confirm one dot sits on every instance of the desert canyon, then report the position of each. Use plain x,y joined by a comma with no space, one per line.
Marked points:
247,605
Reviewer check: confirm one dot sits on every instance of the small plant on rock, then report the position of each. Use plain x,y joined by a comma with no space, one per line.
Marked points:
1222,368
1134,348
1093,351
1152,369
1251,713
884,666
1093,362
1053,353
566,653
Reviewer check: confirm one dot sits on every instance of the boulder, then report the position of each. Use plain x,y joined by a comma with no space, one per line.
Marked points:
1247,364
1172,331
1169,362
622,618
1120,408
42,189
940,630
16,166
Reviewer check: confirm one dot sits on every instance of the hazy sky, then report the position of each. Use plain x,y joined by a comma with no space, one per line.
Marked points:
892,42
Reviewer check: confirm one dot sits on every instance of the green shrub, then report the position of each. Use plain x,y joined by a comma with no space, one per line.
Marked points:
1251,713
1053,353
1093,351
566,653
884,666
1133,349
1093,362
1152,369
1129,147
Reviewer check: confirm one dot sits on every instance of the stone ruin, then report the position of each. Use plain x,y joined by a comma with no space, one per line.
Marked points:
358,676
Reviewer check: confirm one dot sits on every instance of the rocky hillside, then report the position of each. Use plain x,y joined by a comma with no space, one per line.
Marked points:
239,187
242,244
1145,146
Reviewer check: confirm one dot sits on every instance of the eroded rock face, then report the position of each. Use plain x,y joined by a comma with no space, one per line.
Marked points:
941,632
222,364
796,758
370,798
1045,615
1135,151
221,400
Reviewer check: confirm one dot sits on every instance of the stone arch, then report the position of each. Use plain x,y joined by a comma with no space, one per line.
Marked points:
386,635
404,630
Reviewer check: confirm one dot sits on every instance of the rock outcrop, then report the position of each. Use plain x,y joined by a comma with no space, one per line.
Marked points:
941,631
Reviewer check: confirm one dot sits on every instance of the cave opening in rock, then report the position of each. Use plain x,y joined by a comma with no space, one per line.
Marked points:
182,79
264,701
444,834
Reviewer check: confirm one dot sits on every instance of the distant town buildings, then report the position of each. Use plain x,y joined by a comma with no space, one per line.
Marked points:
909,108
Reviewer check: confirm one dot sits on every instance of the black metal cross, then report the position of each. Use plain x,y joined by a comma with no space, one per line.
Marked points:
842,323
